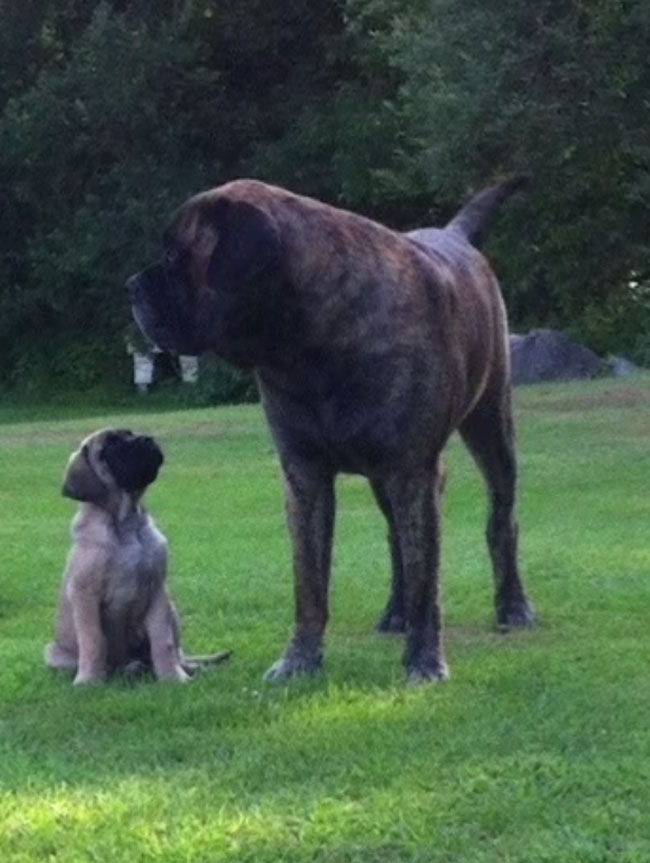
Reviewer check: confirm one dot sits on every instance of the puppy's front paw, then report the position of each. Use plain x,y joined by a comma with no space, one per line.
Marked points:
174,675
87,679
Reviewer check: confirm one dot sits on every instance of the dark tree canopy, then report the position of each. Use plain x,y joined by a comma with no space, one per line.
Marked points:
111,113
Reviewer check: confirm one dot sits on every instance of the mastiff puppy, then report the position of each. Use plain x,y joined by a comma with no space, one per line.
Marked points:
115,613
370,348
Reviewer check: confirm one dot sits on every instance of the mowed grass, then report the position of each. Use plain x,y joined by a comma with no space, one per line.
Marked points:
538,749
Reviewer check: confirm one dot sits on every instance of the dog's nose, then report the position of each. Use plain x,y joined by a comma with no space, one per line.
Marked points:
131,287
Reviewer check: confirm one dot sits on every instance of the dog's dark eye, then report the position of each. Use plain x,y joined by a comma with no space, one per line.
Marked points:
172,258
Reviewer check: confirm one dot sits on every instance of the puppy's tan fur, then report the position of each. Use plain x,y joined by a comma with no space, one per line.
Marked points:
115,612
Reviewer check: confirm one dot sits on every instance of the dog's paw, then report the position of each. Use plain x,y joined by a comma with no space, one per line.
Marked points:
57,658
430,670
298,661
135,668
516,615
391,623
87,679
175,675
392,619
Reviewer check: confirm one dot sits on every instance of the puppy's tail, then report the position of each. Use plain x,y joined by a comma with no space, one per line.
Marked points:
192,664
477,215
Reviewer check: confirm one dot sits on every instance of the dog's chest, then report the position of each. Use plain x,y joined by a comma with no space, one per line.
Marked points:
356,418
138,573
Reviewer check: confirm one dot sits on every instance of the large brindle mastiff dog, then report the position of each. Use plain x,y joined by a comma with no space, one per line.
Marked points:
370,348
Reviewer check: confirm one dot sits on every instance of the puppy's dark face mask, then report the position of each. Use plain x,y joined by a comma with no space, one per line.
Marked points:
112,461
133,460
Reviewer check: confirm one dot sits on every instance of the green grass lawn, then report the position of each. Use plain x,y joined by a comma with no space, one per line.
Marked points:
538,749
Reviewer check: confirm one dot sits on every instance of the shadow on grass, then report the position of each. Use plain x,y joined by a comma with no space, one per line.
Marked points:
229,718
327,771
349,766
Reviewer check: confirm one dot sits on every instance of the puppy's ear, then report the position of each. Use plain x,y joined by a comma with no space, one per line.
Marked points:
247,244
134,462
81,481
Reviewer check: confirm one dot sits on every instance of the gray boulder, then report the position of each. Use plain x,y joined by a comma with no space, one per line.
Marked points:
549,355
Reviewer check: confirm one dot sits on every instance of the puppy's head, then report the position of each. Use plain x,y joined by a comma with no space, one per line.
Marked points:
207,289
110,462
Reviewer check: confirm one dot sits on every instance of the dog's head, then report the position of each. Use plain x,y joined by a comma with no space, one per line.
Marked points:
207,291
109,462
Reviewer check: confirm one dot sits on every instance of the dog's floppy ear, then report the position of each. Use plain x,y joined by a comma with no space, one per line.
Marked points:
247,244
134,462
81,482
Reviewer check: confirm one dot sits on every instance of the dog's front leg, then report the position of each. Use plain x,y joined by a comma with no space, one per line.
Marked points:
63,652
91,666
393,618
415,506
310,513
160,624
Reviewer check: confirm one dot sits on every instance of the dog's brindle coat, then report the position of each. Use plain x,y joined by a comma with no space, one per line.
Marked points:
370,348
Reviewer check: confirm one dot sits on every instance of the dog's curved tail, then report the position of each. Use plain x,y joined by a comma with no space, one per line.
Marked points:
192,664
476,216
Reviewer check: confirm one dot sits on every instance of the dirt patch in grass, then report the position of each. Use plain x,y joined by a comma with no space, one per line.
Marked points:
71,432
618,397
216,428
22,437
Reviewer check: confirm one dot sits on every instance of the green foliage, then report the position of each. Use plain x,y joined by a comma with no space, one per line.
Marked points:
220,383
96,156
556,90
111,113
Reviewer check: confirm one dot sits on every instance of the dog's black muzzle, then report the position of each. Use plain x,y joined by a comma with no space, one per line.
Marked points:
132,287
145,314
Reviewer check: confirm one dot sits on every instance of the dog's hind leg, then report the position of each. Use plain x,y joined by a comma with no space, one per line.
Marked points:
413,498
58,658
489,436
393,618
